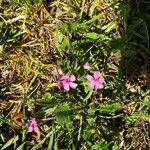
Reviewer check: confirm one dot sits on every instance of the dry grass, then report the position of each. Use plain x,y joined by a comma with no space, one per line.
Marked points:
41,41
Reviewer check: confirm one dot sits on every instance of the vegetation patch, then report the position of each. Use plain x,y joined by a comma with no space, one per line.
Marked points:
74,75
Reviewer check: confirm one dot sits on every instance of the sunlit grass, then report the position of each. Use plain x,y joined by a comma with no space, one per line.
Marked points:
42,42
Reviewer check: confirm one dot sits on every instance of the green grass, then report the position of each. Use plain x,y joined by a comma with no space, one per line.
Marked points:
41,40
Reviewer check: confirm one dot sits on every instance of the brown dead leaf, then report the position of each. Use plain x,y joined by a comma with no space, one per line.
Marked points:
17,119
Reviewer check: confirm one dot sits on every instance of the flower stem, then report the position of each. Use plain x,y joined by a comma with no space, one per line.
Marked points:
88,96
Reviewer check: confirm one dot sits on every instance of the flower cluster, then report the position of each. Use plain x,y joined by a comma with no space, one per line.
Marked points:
33,128
32,125
96,81
66,82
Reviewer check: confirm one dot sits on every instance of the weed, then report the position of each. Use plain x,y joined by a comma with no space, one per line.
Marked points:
52,95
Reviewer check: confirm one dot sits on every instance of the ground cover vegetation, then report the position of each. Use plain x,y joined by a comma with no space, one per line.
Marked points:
74,74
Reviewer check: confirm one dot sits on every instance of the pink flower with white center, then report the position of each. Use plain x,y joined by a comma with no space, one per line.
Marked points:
32,125
86,66
96,81
66,82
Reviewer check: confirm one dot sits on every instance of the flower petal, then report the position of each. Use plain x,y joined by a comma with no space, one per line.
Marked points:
98,85
66,77
92,84
96,74
89,77
30,129
59,84
66,87
101,80
35,129
33,122
73,85
86,66
72,78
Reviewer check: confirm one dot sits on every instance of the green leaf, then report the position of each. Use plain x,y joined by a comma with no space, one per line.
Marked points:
92,35
47,96
115,147
93,6
110,108
51,141
63,28
103,37
21,147
2,137
110,26
1,48
62,114
92,20
1,24
74,26
50,110
65,43
10,142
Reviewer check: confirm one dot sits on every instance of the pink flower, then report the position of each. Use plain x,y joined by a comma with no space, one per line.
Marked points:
96,81
66,82
32,125
86,66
